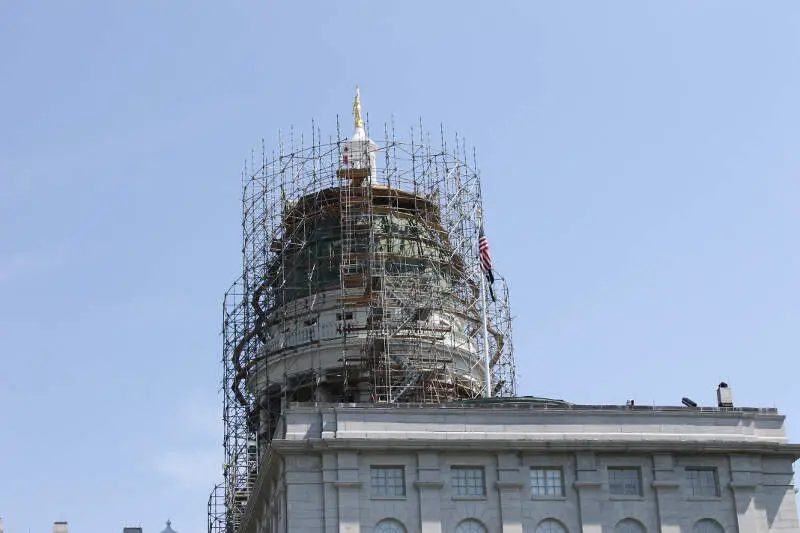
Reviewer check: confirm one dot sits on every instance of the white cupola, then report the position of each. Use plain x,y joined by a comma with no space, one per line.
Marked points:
359,151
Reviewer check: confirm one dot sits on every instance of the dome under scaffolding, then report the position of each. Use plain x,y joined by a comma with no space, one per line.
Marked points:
361,283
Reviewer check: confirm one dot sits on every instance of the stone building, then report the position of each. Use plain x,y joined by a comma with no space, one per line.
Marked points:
367,288
525,466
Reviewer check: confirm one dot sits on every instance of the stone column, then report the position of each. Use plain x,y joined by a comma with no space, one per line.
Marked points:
302,491
745,477
668,497
509,483
429,485
748,516
349,488
589,484
330,502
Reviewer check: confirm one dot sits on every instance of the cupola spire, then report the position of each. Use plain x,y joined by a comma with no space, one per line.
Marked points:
357,110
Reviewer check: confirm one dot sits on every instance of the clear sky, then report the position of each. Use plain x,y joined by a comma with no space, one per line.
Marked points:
641,178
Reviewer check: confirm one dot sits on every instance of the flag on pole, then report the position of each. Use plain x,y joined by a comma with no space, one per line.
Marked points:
485,260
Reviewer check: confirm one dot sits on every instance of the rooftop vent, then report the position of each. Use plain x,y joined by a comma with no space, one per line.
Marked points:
724,395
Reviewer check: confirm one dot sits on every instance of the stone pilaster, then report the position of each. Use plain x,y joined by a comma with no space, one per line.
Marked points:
589,484
429,486
509,484
330,501
349,488
666,486
745,477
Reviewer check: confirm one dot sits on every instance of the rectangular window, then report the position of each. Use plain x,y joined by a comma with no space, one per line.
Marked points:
625,481
468,481
388,481
547,482
703,481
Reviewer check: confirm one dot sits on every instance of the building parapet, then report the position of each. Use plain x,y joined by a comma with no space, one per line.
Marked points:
544,404
507,421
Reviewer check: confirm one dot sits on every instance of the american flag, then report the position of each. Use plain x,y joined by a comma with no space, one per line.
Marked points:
485,259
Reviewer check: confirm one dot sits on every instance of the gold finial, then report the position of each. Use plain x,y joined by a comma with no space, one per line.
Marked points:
357,110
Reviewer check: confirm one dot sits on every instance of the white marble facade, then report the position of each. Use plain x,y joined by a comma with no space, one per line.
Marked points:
525,468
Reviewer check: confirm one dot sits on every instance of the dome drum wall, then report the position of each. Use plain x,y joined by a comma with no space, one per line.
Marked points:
408,330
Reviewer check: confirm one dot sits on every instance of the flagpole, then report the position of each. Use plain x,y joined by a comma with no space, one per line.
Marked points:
486,339
484,309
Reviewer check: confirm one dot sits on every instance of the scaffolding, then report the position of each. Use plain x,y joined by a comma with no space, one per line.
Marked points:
360,283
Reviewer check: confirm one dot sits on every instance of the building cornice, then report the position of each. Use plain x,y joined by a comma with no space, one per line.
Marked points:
537,446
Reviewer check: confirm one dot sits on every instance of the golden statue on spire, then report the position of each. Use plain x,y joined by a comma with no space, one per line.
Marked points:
357,110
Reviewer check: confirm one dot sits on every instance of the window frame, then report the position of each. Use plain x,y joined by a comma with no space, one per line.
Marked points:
544,469
629,522
473,523
384,492
623,494
694,482
454,487
393,521
700,526
548,522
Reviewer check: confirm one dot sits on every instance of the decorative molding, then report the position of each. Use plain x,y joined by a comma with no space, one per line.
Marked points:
587,484
347,484
429,484
505,485
663,484
704,498
741,485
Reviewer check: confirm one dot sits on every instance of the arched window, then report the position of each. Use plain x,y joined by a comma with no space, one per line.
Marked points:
470,525
548,525
707,525
390,525
629,525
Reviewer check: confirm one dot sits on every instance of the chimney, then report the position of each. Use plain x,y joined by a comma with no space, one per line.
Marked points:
60,527
724,395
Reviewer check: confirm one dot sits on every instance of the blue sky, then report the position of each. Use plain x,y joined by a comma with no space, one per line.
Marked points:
640,171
